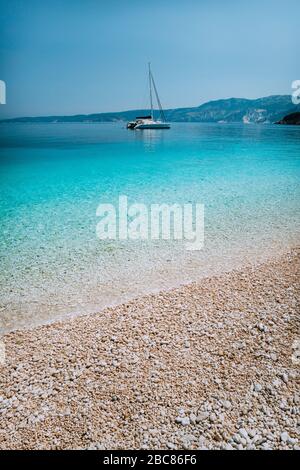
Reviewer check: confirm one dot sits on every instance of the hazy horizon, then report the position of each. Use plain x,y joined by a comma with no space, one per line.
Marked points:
139,109
68,57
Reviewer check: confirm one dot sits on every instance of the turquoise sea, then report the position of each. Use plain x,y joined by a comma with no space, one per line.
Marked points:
53,176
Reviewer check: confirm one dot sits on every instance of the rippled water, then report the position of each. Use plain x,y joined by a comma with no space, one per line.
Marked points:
53,176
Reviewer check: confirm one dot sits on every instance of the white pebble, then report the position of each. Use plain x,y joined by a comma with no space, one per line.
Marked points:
185,421
284,436
258,387
243,433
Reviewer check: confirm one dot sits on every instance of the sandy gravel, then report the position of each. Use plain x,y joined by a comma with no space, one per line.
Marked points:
208,365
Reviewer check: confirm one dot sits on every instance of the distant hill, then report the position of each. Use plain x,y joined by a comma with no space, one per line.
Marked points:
292,119
270,109
262,110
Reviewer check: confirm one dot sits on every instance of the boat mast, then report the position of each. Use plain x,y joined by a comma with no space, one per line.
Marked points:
150,87
162,114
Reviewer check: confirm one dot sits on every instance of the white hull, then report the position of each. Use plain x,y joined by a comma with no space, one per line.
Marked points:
154,125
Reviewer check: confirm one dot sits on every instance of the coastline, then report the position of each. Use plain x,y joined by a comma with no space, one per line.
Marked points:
205,365
163,271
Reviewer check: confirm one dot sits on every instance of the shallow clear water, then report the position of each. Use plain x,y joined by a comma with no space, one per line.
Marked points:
53,176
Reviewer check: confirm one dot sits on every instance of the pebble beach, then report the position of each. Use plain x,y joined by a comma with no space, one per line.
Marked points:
210,365
149,230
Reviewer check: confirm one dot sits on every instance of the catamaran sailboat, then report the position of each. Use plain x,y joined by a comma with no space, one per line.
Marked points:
148,122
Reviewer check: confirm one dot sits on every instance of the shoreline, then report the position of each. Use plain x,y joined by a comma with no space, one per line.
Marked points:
30,314
204,365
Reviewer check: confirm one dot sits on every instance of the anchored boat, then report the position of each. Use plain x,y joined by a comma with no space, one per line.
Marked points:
148,122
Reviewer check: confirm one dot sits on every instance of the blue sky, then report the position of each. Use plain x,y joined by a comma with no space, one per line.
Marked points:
71,56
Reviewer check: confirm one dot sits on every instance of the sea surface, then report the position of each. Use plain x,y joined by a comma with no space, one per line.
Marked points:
54,176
